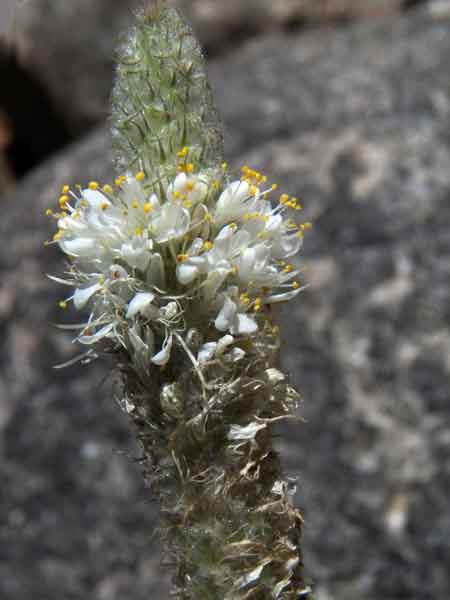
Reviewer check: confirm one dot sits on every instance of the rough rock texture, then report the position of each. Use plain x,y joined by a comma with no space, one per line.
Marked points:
88,30
356,121
84,29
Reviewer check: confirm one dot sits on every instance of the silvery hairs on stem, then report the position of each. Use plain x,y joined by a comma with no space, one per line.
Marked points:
179,265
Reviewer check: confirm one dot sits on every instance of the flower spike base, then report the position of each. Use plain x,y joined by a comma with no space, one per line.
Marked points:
180,266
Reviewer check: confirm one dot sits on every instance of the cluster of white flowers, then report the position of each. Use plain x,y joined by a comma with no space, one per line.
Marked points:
194,265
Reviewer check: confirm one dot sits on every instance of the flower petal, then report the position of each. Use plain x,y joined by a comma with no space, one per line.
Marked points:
139,303
163,356
82,295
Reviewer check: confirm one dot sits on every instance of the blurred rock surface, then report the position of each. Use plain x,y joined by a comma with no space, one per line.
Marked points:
88,30
356,121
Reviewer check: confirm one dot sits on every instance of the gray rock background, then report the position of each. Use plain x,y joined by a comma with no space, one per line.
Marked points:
354,120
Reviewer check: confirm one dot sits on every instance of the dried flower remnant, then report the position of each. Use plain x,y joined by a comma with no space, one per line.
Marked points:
179,264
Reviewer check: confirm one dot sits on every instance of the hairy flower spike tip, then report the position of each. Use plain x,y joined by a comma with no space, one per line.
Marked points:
179,266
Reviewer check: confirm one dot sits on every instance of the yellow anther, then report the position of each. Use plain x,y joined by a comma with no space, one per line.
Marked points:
63,201
256,215
93,185
284,199
66,189
216,184
274,186
177,195
190,186
264,179
107,189
104,205
209,218
258,305
307,225
49,212
46,243
288,269
234,271
254,190
187,204
101,280
300,234
224,166
83,204
261,235
233,225
62,304
247,216
58,235
135,204
182,168
207,245
190,167
118,181
295,285
125,212
140,176
183,152
182,257
258,177
148,207
244,298
266,218
138,231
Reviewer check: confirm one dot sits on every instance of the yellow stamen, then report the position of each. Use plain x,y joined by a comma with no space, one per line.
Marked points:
138,231
63,201
190,185
49,212
188,204
274,186
207,245
140,176
104,205
62,304
295,285
107,189
253,190
258,305
93,185
224,166
190,168
135,204
182,257
66,189
148,207
288,269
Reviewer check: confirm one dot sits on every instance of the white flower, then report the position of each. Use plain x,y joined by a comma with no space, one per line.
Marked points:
189,188
192,264
230,319
82,295
140,305
171,223
234,202
137,252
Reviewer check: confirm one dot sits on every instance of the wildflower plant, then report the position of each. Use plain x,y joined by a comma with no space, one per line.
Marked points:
179,265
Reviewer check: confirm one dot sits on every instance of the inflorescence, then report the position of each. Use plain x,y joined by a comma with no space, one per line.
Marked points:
202,249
